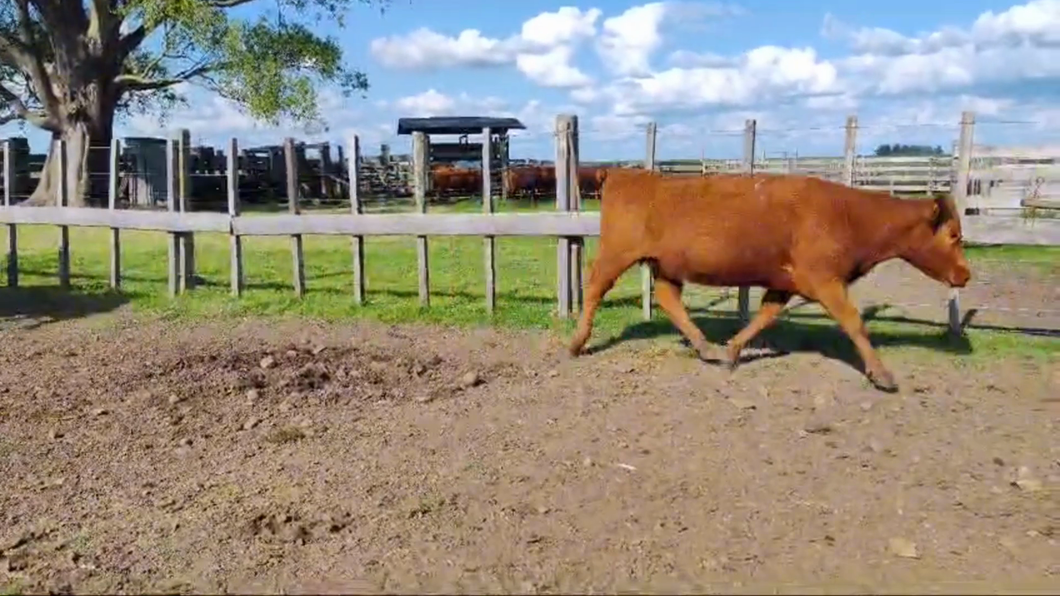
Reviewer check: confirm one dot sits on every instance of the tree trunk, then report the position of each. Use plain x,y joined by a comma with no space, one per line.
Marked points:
87,152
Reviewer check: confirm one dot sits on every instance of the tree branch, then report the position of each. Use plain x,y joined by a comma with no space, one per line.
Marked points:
19,111
132,82
33,64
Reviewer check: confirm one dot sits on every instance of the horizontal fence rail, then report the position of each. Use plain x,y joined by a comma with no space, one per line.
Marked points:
981,230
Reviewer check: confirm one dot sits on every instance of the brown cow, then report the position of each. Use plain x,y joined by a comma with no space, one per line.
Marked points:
788,234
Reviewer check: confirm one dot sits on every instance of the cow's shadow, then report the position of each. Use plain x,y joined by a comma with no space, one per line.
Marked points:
803,332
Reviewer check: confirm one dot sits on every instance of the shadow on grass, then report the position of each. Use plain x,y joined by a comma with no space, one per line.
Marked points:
45,304
804,332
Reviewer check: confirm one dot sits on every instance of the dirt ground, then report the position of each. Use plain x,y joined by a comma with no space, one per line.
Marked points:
298,457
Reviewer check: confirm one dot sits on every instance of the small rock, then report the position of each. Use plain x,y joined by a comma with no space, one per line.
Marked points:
553,373
185,442
470,379
291,353
1025,480
253,395
55,434
425,398
818,427
174,399
285,406
865,406
268,362
900,547
998,461
875,446
743,404
822,401
543,510
587,462
100,412
249,424
318,349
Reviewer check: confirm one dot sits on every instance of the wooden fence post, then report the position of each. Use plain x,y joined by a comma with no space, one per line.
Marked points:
12,229
235,242
293,190
964,162
187,239
171,206
421,173
960,198
645,270
63,200
563,150
850,145
113,180
577,244
750,133
356,209
489,243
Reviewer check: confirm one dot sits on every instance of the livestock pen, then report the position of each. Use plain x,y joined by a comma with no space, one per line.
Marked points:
317,453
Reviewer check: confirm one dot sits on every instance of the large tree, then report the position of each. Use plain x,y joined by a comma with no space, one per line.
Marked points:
70,67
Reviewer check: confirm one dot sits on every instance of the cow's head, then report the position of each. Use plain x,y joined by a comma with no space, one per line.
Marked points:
934,245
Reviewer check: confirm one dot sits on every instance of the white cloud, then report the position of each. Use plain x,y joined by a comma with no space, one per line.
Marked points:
542,50
764,73
1017,44
552,69
629,39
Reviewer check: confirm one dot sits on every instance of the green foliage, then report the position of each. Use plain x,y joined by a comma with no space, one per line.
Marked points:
271,61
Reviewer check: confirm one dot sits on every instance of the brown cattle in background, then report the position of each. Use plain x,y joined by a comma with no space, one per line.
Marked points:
785,233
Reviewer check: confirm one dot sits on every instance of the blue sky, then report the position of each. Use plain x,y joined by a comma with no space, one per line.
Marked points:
699,69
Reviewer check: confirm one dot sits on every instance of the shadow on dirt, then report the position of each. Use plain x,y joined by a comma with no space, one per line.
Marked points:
806,332
37,305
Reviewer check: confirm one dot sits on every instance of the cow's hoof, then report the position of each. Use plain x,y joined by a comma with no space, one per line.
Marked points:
884,381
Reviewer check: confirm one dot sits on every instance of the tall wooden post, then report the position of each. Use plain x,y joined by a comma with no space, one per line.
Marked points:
354,171
113,180
235,243
750,137
187,239
960,198
293,190
564,140
10,183
489,243
850,146
645,270
421,173
63,200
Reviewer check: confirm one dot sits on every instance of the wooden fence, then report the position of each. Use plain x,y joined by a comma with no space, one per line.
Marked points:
567,224
997,178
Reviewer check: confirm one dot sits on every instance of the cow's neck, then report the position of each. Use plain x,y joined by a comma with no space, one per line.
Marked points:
885,226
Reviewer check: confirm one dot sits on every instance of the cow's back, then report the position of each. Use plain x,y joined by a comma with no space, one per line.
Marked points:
722,229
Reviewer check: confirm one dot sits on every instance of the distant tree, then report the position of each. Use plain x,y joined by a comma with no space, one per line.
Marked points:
70,67
901,150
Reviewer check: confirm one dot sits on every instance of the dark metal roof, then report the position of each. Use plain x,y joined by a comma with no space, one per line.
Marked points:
456,125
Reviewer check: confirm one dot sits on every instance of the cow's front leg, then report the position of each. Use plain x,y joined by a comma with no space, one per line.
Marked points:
834,298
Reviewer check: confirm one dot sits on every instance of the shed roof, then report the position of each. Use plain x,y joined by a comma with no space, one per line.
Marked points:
456,125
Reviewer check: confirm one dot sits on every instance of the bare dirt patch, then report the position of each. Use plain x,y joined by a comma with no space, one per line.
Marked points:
147,457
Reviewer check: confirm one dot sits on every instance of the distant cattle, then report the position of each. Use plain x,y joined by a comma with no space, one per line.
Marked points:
792,235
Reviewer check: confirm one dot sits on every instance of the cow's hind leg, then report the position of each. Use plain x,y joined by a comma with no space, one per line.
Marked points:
835,300
668,293
605,271
773,302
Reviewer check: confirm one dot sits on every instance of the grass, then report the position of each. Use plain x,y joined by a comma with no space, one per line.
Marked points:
526,288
